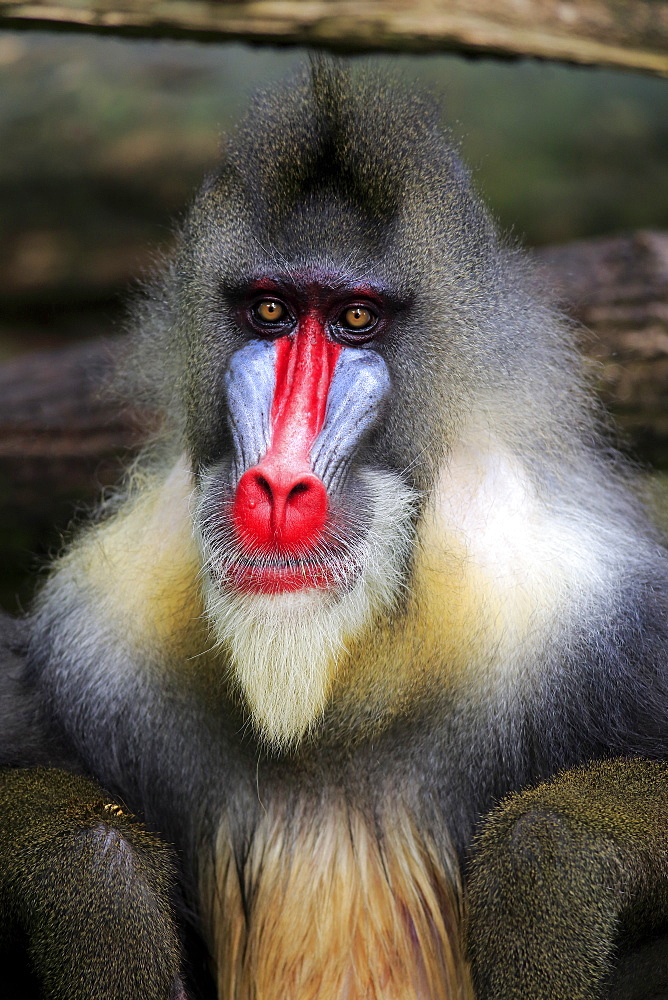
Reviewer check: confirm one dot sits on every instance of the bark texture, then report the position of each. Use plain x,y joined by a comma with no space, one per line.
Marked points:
632,34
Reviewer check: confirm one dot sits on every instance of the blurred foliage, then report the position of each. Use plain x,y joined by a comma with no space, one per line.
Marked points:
105,139
123,130
560,152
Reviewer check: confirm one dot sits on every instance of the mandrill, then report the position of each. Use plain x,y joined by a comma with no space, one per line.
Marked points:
378,570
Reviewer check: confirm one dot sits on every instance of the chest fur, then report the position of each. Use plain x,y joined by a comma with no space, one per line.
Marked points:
324,903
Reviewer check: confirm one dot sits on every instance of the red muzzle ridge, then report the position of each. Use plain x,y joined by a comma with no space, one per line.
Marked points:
280,506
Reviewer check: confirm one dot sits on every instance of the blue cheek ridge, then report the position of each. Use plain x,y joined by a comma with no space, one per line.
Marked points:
360,385
249,386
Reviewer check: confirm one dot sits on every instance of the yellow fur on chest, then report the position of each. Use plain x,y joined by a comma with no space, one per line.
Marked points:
490,571
145,566
323,907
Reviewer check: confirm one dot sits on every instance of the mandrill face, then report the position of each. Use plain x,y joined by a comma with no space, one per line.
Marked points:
301,396
321,312
303,541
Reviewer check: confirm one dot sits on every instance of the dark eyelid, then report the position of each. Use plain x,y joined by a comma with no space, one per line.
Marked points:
250,318
358,336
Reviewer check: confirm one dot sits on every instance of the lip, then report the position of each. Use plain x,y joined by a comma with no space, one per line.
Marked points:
262,578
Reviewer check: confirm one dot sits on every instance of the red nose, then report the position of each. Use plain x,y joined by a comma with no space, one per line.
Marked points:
279,509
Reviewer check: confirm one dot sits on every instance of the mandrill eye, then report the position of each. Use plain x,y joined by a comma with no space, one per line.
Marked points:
358,318
270,311
356,325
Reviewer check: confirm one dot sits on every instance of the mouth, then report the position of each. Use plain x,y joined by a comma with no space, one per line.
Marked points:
284,575
237,564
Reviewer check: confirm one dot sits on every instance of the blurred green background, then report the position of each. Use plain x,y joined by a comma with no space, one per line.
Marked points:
103,141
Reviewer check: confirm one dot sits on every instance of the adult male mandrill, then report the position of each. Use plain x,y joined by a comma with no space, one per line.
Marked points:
377,572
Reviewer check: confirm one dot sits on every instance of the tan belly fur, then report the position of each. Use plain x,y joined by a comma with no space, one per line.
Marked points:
325,907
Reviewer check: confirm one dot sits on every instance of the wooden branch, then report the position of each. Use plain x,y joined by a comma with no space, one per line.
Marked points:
632,34
61,434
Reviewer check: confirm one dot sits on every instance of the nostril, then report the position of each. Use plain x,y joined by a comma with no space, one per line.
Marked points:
297,490
265,486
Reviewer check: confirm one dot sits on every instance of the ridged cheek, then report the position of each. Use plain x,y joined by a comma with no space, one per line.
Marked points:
299,408
360,386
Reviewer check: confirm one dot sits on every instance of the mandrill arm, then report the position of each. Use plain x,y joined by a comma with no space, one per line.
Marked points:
85,890
566,877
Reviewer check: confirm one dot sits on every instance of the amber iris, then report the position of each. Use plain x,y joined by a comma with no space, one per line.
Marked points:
270,311
358,317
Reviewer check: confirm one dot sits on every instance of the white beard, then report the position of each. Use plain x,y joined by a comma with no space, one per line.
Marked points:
285,648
